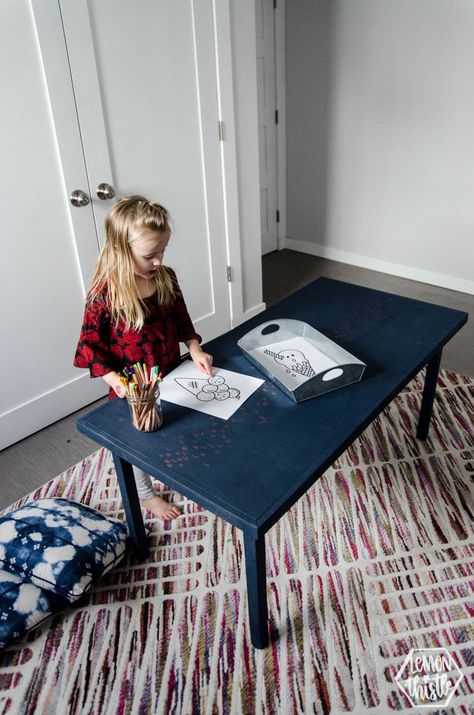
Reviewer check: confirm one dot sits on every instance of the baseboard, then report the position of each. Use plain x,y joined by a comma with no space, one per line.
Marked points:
246,315
29,417
374,264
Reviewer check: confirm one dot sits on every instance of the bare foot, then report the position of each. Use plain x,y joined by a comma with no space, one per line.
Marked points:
160,508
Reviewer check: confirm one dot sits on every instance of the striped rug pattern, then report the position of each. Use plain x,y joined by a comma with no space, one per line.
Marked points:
377,558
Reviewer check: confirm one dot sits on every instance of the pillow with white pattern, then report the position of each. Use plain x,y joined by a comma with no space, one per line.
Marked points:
60,545
23,607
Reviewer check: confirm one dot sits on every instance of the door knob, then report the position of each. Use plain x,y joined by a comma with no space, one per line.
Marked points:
79,198
105,191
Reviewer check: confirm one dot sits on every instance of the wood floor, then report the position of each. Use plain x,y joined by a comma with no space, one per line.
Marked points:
33,461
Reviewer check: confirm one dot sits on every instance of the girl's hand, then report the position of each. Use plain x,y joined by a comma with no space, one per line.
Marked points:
115,383
202,360
120,389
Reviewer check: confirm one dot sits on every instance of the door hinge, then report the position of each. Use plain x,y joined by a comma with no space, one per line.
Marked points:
278,216
221,131
276,116
229,273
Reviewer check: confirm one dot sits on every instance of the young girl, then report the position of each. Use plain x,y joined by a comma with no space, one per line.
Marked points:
135,312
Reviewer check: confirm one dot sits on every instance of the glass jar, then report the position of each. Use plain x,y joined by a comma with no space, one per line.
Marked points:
145,409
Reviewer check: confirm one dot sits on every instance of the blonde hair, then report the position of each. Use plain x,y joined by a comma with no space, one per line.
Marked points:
114,273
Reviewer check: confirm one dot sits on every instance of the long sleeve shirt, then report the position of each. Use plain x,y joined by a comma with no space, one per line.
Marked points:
104,346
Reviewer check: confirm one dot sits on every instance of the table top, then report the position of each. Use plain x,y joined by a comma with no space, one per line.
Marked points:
251,468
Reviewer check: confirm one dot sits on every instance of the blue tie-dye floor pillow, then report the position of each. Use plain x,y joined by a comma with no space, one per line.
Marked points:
23,606
59,546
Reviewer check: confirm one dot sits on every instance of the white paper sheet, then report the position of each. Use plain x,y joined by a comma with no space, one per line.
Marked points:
293,361
220,395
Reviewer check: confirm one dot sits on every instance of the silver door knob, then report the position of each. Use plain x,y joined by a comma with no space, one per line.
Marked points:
105,191
79,198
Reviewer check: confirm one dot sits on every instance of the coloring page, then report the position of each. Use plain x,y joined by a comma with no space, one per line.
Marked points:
220,395
293,361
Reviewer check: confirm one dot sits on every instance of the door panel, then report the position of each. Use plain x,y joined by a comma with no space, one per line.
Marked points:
46,248
158,103
267,137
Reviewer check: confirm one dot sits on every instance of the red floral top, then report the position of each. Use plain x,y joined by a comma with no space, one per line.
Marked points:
104,346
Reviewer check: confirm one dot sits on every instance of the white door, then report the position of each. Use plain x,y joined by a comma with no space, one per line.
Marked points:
146,93
267,134
47,246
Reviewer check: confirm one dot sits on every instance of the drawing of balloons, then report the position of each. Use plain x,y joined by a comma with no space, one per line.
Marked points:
233,392
216,380
205,396
222,395
222,388
210,388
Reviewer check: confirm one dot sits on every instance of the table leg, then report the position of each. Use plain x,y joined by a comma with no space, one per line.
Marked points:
131,505
256,588
431,379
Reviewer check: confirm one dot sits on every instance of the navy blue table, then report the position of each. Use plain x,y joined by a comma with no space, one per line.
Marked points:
252,468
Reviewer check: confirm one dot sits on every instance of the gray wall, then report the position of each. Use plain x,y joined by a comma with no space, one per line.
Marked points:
380,134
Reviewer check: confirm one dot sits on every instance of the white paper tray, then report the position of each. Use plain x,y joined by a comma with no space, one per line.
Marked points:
303,362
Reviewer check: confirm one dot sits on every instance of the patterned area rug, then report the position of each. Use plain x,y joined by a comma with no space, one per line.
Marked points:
376,559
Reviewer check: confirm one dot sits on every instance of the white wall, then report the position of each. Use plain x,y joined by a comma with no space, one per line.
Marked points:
380,138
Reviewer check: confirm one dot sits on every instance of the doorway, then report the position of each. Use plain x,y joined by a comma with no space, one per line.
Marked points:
269,26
